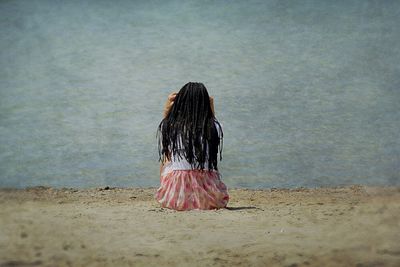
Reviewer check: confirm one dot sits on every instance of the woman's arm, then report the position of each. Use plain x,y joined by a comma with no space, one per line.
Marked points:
212,104
162,165
168,104
167,109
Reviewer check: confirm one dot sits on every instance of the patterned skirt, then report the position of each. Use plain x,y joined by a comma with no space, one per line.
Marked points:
192,189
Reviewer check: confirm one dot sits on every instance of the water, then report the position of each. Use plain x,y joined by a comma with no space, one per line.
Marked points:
307,91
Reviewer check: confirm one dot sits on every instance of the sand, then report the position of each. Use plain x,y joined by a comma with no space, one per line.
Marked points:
342,226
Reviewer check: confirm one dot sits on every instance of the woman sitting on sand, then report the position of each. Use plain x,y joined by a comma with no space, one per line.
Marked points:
189,139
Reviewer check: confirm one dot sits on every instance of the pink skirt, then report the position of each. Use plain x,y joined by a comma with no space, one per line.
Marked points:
192,189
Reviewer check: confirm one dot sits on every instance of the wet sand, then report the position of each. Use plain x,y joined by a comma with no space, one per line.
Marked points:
342,226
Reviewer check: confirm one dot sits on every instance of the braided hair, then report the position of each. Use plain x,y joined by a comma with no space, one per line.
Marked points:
190,130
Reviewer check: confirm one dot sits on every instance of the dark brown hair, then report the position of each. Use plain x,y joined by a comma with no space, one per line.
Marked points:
191,130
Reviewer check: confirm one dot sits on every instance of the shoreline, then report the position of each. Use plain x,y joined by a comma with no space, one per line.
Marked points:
110,226
355,187
236,188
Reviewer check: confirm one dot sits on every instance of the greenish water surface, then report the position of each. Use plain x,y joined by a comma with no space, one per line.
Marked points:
307,91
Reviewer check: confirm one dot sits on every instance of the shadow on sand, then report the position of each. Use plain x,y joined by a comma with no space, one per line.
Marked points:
242,208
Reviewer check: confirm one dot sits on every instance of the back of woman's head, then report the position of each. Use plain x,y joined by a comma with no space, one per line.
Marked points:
190,130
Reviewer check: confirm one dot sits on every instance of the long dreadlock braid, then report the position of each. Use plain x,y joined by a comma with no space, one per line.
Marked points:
189,130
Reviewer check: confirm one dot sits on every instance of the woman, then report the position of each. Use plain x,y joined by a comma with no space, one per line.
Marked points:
189,141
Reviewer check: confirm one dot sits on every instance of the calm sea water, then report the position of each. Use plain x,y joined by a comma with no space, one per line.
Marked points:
307,91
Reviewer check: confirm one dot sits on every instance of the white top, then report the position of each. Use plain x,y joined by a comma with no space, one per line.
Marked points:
183,164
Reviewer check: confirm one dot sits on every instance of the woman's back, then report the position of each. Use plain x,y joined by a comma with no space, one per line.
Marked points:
177,162
190,139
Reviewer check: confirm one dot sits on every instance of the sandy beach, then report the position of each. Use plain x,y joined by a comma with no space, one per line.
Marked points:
341,226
